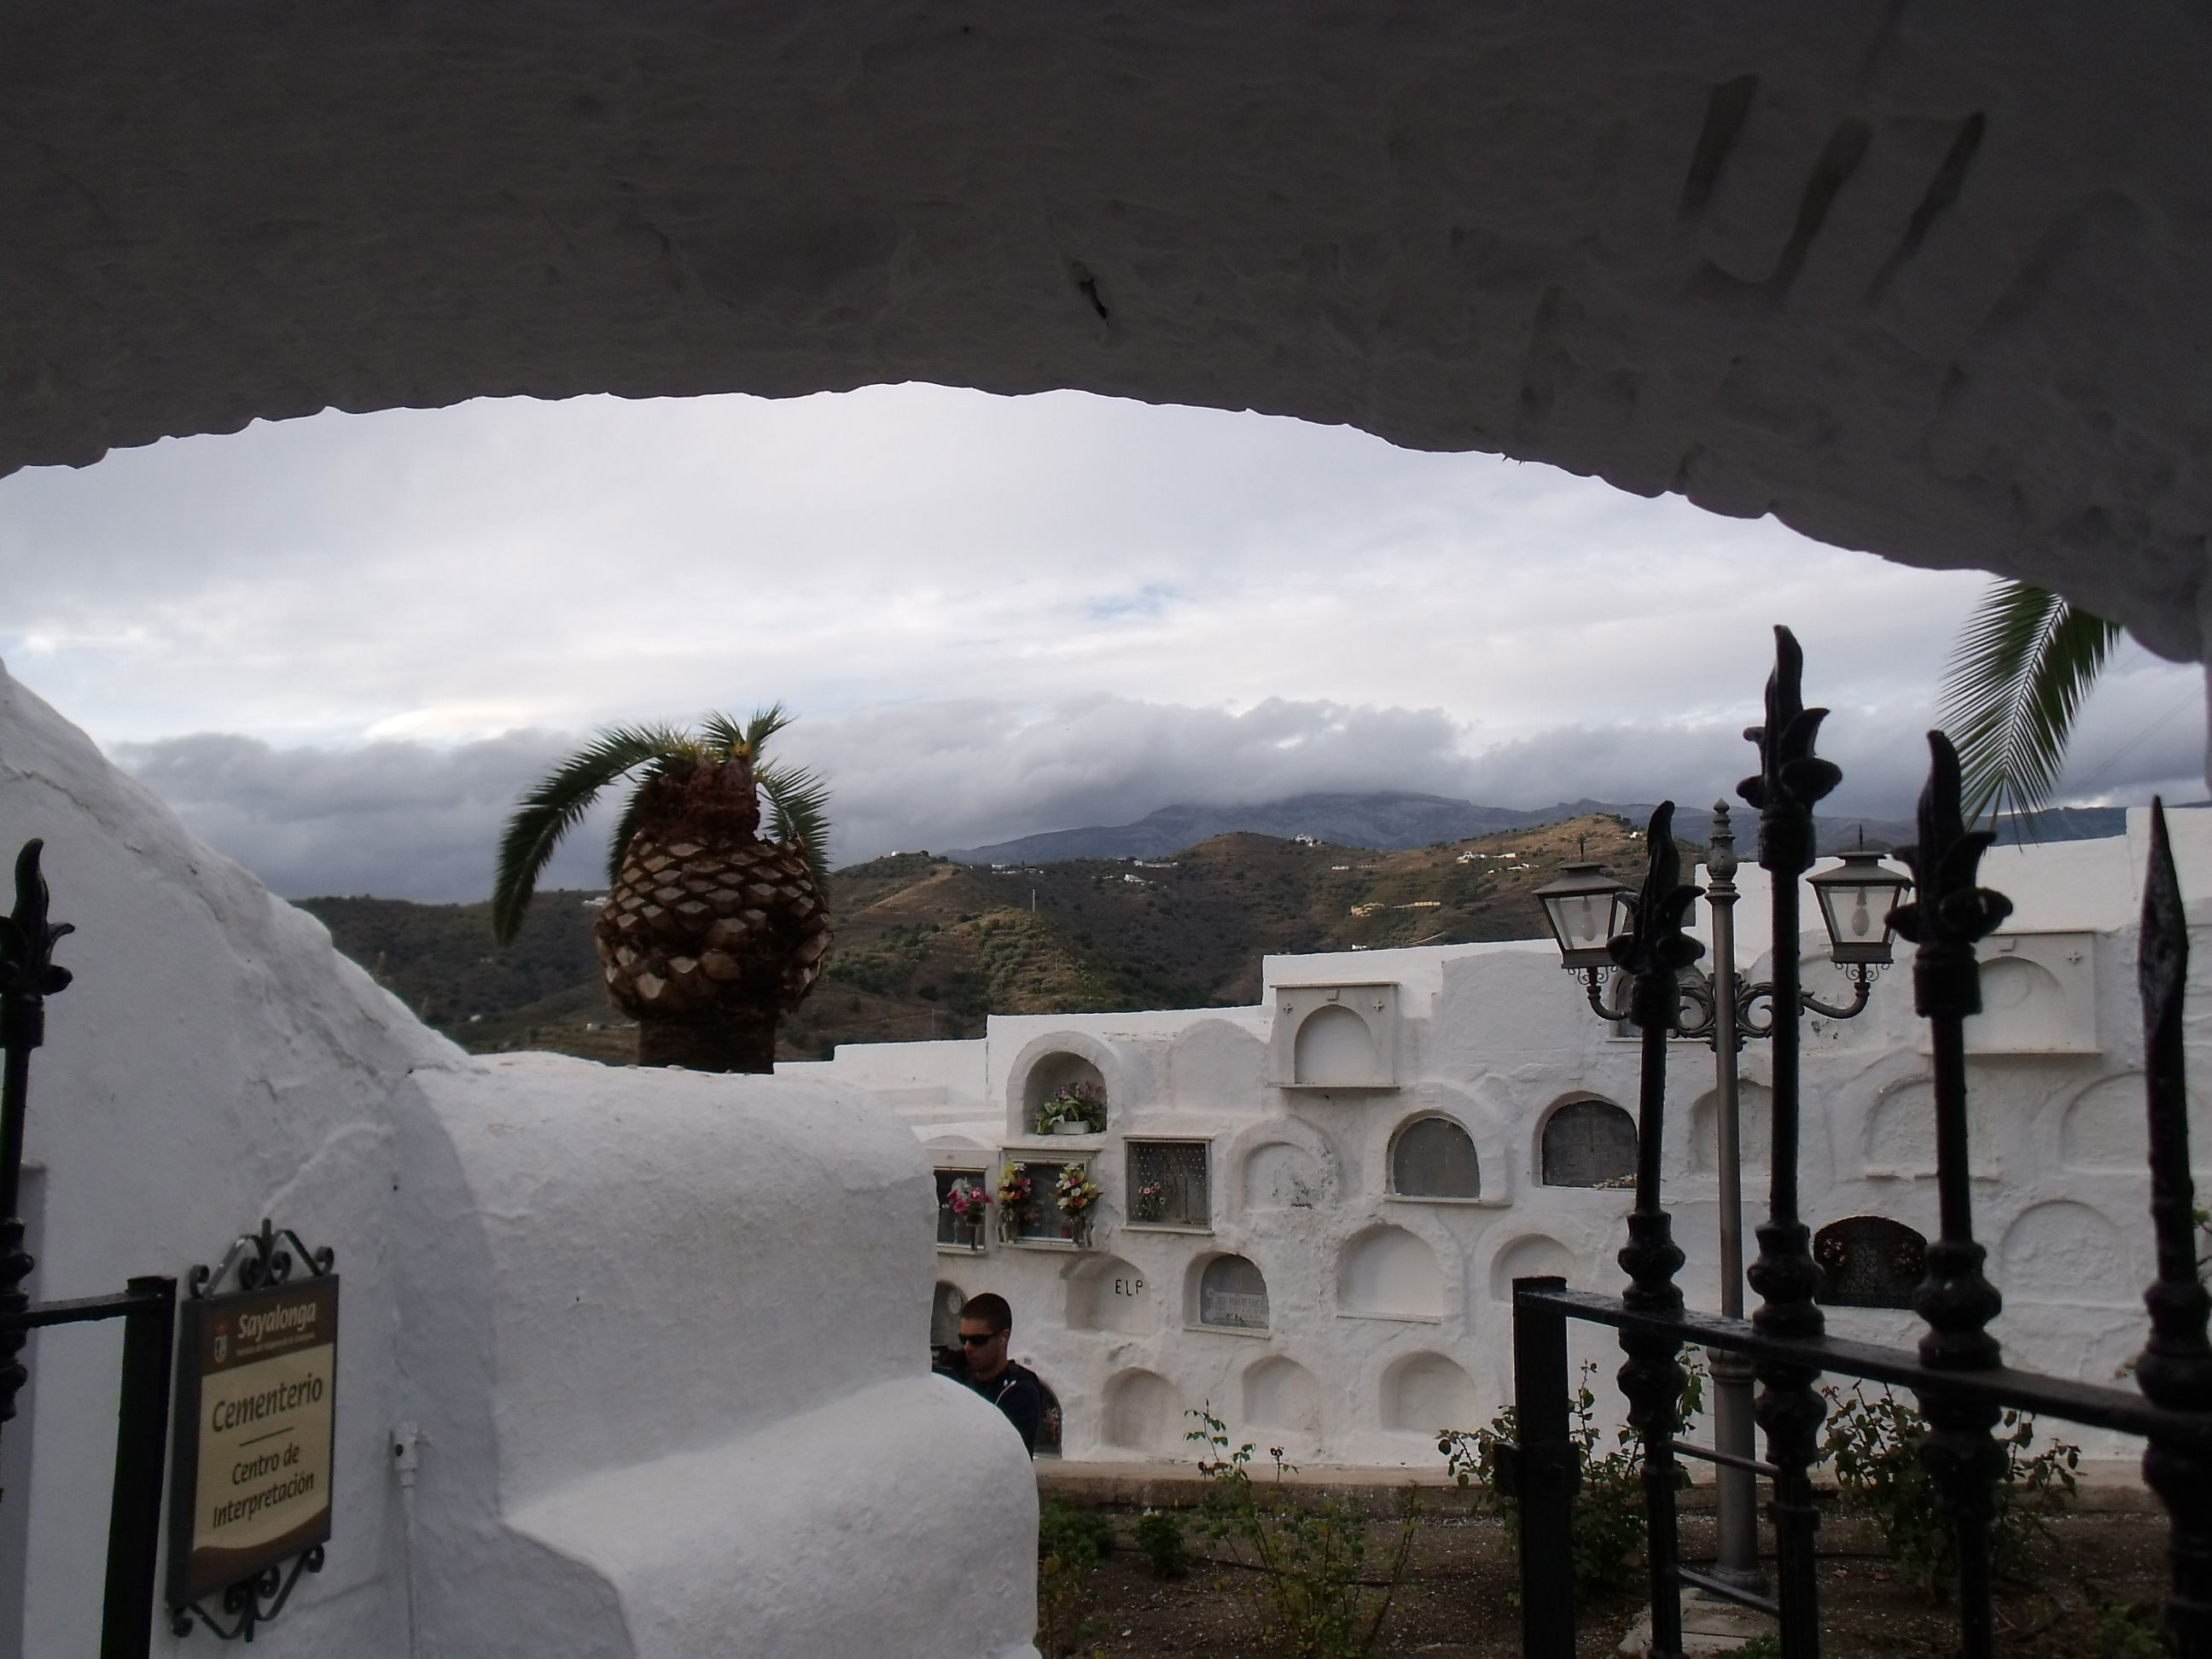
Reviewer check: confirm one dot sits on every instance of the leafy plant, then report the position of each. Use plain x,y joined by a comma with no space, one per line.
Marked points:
1159,1535
1606,1524
2019,672
1079,1102
1310,1559
2120,1629
1874,1442
1071,1545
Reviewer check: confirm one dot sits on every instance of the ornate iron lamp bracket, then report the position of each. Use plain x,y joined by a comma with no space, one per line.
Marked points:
251,1602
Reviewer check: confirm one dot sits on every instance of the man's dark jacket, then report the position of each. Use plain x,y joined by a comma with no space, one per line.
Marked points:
1016,1392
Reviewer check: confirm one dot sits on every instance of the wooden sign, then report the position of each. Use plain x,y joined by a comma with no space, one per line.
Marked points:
257,1403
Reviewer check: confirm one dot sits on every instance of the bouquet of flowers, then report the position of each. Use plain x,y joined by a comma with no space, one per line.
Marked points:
967,1202
1152,1200
1079,1102
1075,1192
1014,1199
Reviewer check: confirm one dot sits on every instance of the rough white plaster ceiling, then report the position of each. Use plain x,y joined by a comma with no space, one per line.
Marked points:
1925,278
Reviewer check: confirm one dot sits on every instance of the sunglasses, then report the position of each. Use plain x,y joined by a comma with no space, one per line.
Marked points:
968,1341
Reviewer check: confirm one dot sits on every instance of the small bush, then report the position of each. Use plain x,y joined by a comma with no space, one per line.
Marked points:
1159,1535
1310,1559
1874,1442
1071,1543
2122,1630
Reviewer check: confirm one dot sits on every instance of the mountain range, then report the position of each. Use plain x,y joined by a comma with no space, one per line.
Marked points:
1397,818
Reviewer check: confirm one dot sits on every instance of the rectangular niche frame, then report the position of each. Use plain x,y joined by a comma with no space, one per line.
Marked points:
1043,1171
1376,1004
1179,1220
943,1175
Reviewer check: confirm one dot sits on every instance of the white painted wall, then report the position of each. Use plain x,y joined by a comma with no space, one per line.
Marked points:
663,1333
1387,1311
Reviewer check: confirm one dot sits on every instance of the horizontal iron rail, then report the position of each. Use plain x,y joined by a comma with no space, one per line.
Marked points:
1728,1592
80,1310
2075,1402
1714,1454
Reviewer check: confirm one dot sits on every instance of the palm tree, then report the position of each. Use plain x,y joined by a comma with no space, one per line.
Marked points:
708,933
2019,670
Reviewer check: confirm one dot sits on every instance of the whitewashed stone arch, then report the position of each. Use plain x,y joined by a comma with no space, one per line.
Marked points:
1531,1255
1755,1132
1577,1102
1107,1293
1391,1272
1334,1044
1281,1393
1637,286
945,1301
2064,1251
1425,1392
2104,1129
1141,1411
1220,1063
1054,1059
1459,1169
1900,1133
1226,1290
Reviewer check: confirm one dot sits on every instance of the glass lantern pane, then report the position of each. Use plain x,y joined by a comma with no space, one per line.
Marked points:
1584,920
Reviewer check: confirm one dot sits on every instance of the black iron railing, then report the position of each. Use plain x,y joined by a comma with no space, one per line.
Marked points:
1957,1370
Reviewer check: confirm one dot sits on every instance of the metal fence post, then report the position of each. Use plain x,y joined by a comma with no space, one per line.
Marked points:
142,1439
1544,1472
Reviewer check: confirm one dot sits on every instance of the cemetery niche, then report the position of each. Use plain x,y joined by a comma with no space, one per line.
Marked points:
1589,1143
1168,1184
1232,1295
1870,1261
1434,1157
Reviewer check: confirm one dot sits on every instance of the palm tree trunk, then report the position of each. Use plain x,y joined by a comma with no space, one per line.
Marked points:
732,1039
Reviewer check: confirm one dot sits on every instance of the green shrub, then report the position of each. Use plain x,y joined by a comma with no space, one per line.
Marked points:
2122,1630
1309,1560
1607,1529
1159,1535
1071,1543
1874,1443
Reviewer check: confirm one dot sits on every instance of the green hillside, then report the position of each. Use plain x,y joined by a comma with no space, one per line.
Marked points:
927,947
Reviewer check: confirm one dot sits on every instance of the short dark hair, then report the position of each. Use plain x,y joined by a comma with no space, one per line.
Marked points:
991,1310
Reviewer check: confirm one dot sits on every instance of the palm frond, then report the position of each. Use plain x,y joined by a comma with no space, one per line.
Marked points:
2019,670
764,724
799,810
554,806
723,735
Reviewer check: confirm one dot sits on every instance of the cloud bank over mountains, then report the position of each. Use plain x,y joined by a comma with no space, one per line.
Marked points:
409,819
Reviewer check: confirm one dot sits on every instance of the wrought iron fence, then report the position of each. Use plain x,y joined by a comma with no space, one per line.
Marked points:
1957,1370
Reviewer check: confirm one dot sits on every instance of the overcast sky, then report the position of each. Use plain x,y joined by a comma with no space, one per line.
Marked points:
339,647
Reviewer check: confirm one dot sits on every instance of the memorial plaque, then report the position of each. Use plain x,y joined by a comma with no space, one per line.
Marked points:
256,1401
1871,1261
1589,1143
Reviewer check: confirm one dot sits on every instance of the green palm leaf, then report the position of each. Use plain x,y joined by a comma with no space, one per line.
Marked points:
2019,672
553,808
799,810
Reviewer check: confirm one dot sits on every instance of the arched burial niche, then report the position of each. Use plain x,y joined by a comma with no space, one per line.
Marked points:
1424,1392
1110,1294
1588,1143
1533,1256
1335,1036
1389,1272
1754,1128
1870,1261
2062,1251
1142,1412
1281,1393
1434,1157
1280,1176
2105,1130
1052,1423
1051,1073
1227,1293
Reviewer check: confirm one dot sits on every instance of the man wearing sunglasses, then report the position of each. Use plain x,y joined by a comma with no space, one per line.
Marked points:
986,1326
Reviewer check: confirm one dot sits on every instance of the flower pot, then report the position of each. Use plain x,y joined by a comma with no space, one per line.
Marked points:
1071,1126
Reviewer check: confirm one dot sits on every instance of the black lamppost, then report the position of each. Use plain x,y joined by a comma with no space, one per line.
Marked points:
1856,898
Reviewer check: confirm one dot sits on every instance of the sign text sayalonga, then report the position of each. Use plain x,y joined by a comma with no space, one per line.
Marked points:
255,1409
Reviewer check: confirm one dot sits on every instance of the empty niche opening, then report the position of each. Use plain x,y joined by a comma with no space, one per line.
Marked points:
1425,1393
1281,1393
1050,1075
1901,1133
1588,1143
1533,1257
1141,1413
1870,1261
1391,1272
1754,1129
944,1305
1434,1157
2022,1005
1282,1176
2062,1251
1230,1295
1110,1295
1334,1045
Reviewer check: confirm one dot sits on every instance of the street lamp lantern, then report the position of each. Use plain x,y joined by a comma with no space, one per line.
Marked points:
1856,899
1587,909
